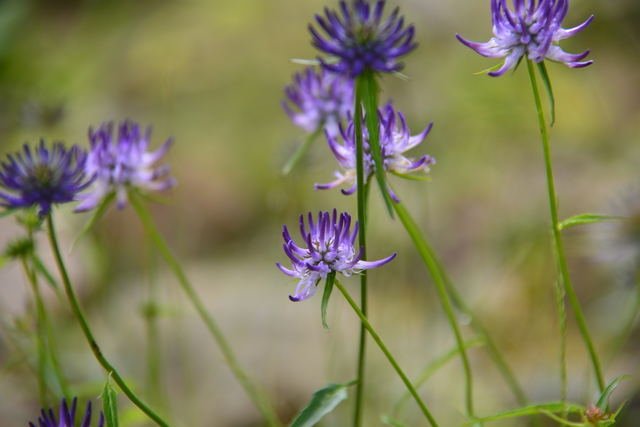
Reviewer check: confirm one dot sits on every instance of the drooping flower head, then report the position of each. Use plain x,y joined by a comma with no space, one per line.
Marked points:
323,100
329,247
67,417
43,177
359,40
530,29
123,163
395,139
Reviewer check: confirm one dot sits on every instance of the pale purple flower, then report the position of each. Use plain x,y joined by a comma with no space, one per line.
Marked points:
329,248
394,141
122,164
43,177
360,41
322,100
530,29
67,417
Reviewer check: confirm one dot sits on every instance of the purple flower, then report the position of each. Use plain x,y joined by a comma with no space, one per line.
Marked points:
530,29
67,418
329,247
123,164
360,41
394,142
324,100
44,177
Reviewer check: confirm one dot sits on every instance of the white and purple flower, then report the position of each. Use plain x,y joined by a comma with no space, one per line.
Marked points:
530,29
329,248
122,164
394,141
323,100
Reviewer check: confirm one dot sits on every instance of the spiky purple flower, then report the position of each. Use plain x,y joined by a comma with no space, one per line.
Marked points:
359,40
67,417
43,177
394,141
323,100
122,164
329,247
531,29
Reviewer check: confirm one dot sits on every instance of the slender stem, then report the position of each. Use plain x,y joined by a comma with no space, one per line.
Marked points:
153,334
362,241
432,266
557,235
386,352
243,378
75,306
301,151
42,352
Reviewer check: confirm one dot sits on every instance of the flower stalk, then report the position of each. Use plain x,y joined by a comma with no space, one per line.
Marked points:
557,235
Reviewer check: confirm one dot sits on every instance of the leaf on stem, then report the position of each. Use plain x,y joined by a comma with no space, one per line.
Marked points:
324,401
488,70
547,84
300,152
97,216
603,402
590,219
388,421
109,404
7,212
328,287
530,410
411,177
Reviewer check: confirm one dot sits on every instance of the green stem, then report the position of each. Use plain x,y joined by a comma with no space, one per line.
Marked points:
557,235
362,242
562,325
433,268
42,352
153,334
301,151
386,352
243,378
75,306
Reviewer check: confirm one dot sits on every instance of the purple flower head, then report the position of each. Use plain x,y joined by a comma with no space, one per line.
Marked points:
123,164
329,247
531,29
359,40
67,417
394,141
324,100
43,177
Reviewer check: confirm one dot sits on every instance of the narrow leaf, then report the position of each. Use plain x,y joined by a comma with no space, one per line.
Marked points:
530,410
411,177
7,212
547,84
324,401
109,404
97,216
390,422
301,151
591,219
603,402
488,70
328,287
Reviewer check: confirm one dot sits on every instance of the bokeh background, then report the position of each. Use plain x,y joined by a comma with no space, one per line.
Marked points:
210,73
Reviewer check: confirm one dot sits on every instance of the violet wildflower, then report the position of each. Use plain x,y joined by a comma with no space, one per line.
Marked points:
43,177
123,164
329,248
359,41
323,100
394,141
67,417
531,29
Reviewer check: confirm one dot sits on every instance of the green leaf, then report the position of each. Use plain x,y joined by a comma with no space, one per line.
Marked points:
591,219
97,216
153,197
44,272
390,422
366,82
328,287
603,402
7,212
488,70
109,404
324,401
301,150
547,84
530,410
412,177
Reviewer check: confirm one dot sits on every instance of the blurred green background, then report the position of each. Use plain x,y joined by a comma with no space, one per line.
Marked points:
210,73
